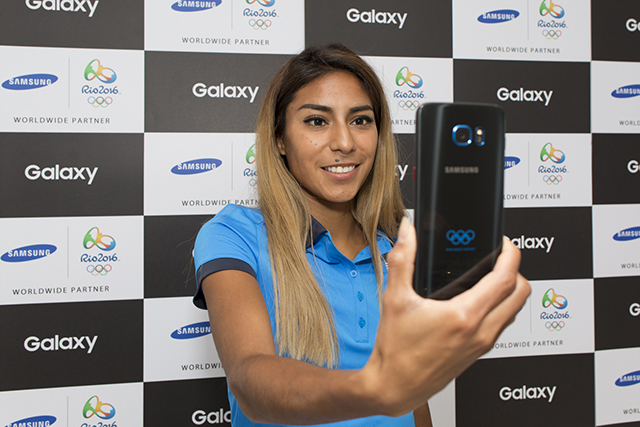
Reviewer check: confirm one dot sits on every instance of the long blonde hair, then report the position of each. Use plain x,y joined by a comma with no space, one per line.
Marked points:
305,327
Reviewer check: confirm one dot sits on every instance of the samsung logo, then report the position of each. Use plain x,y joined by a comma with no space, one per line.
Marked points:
194,330
196,166
195,5
498,16
29,81
629,379
627,234
38,421
510,162
28,253
462,169
626,91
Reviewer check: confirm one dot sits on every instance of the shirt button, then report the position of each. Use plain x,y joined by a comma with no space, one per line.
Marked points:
360,296
361,323
354,273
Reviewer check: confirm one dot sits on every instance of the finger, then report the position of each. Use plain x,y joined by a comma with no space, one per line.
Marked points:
492,289
504,313
402,257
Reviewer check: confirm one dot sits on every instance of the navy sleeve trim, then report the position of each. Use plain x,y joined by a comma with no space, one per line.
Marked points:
214,266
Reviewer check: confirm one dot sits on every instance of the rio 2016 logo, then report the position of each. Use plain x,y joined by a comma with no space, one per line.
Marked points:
548,7
412,81
553,174
99,96
99,265
102,410
555,320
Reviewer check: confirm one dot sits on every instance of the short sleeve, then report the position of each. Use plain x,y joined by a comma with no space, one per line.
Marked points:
229,241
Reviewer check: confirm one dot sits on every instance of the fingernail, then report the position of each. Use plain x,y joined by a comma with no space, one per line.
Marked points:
403,230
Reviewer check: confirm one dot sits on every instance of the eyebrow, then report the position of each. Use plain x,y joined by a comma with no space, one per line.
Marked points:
326,109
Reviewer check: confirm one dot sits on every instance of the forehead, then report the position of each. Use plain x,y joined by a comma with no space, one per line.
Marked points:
332,88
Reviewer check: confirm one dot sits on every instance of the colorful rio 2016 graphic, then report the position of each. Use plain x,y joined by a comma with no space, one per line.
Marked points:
94,238
412,80
550,298
95,70
265,3
102,410
548,7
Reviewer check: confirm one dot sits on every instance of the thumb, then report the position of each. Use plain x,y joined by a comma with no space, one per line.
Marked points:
402,257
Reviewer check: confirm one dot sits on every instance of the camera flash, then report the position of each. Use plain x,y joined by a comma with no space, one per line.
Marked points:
479,136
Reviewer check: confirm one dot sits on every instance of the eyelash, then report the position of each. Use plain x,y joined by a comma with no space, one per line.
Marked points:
311,120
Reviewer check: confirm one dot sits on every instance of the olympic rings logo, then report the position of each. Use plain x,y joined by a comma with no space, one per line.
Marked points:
253,183
260,24
552,179
409,105
265,3
99,270
405,76
550,153
95,70
550,298
552,34
100,101
94,406
457,237
554,326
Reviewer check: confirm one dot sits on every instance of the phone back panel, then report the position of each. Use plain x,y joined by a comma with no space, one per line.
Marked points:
459,196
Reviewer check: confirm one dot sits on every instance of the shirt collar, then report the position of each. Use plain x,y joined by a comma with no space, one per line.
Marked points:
317,230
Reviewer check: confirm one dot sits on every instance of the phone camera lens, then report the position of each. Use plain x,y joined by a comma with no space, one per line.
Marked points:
462,135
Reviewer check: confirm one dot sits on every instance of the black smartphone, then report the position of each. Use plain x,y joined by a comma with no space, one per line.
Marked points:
459,195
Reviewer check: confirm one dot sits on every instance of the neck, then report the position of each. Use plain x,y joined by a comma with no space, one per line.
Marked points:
339,221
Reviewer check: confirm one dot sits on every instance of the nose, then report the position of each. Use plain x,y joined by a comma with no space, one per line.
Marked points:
341,139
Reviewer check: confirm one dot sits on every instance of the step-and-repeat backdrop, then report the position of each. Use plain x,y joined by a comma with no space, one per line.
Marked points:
127,124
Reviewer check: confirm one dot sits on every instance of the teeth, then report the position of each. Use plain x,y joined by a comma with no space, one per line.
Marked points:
340,169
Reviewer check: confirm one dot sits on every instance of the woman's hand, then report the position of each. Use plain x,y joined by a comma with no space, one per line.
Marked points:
423,344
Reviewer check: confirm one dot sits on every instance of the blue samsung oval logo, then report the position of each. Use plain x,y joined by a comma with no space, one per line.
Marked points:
29,81
28,253
626,91
196,166
195,5
628,379
631,233
40,420
498,16
510,162
194,330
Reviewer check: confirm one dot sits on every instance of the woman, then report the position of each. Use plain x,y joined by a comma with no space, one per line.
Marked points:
294,289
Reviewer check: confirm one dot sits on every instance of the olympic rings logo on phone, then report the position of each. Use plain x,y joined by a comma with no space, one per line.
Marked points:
457,237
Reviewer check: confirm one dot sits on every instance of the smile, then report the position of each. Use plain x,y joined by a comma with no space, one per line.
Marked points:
339,169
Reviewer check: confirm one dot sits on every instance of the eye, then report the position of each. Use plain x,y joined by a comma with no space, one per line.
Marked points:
315,121
362,120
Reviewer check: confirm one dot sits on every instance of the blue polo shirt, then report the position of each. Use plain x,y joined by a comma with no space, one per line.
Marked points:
236,239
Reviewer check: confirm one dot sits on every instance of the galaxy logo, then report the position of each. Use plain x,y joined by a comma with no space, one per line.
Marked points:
630,91
29,81
510,161
498,16
195,330
28,253
192,167
195,5
102,410
40,420
632,233
632,378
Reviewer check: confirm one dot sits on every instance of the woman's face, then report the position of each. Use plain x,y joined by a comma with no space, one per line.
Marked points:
330,138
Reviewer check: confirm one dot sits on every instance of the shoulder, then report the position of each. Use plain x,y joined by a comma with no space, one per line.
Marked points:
234,217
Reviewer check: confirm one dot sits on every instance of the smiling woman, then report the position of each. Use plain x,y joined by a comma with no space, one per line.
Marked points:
310,323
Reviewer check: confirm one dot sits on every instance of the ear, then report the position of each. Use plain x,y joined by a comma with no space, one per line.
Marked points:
280,143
